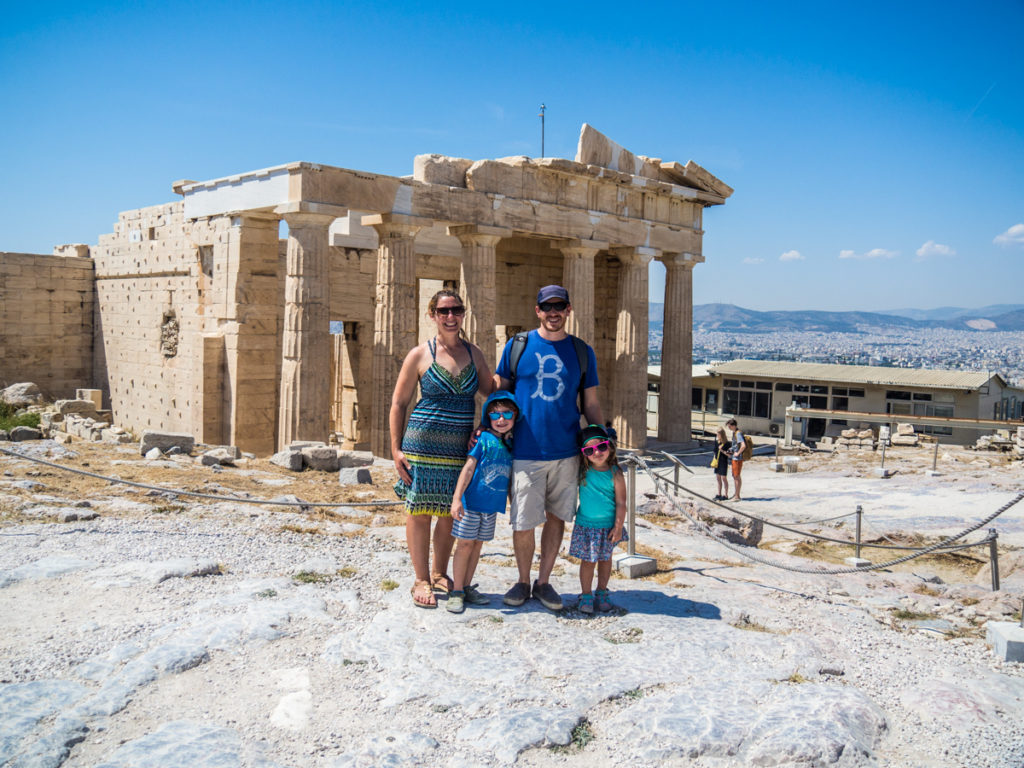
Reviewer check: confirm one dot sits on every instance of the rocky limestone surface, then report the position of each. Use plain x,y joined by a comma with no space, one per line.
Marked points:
226,634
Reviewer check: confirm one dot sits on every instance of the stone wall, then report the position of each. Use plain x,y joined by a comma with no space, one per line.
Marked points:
46,320
148,318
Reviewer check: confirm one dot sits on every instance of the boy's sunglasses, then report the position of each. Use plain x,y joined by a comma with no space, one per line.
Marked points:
445,311
590,450
507,415
553,306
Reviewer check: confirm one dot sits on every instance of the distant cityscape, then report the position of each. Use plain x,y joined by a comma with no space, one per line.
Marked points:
938,348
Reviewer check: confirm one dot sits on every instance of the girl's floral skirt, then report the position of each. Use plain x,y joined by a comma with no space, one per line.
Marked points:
592,544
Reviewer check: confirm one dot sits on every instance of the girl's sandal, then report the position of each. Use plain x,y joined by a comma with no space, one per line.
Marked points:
602,601
423,595
441,583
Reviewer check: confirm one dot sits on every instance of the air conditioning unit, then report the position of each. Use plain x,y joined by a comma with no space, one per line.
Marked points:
774,429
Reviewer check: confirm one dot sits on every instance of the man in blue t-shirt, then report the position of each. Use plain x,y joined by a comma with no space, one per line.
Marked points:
545,463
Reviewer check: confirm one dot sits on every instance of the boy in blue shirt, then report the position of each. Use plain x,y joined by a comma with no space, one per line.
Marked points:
480,494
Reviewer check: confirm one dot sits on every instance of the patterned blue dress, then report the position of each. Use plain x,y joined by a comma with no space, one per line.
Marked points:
436,436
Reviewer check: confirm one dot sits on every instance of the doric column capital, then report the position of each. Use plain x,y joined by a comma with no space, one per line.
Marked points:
308,220
581,249
640,255
304,206
391,225
472,234
684,260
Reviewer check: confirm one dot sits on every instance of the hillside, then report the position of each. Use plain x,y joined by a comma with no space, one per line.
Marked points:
730,318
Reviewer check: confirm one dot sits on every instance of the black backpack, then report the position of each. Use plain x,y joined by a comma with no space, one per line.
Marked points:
519,345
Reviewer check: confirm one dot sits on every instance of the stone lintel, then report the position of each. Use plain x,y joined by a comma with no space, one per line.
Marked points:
396,219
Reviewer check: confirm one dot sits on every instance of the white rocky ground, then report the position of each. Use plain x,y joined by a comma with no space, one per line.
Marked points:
177,634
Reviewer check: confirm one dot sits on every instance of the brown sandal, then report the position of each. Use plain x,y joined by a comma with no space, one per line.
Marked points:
441,583
423,595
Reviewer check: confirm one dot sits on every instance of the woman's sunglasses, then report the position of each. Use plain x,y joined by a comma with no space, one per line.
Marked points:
507,415
590,450
445,311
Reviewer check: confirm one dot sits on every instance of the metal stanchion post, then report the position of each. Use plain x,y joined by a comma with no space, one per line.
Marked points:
883,456
675,476
993,557
935,456
631,508
860,514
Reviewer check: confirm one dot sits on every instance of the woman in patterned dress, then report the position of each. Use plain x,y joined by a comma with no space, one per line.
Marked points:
450,371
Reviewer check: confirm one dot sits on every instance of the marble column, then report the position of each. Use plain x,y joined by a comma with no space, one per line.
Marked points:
394,318
578,280
479,290
305,400
629,399
251,326
674,403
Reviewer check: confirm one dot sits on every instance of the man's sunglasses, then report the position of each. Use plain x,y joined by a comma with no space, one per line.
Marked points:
590,450
553,306
507,415
445,311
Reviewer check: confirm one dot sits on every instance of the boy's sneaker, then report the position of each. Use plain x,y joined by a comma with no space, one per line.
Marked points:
456,602
586,604
473,596
518,595
602,601
547,596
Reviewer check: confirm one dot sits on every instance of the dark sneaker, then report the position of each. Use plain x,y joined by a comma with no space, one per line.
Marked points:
474,597
518,595
547,596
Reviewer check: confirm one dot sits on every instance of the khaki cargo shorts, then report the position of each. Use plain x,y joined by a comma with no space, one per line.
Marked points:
539,487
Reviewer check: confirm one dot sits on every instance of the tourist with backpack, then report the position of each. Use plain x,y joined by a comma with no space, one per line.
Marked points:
742,449
554,378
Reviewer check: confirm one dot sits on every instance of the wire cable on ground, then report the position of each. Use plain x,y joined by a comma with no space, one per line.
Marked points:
706,530
210,496
780,526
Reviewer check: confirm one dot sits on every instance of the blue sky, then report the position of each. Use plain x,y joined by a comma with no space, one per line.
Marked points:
877,150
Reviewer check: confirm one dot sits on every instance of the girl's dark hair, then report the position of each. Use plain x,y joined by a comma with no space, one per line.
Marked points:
613,461
485,422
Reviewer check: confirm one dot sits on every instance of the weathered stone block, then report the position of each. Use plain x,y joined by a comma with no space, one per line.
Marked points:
95,396
441,169
904,429
165,440
219,456
19,434
321,458
75,406
354,476
25,393
288,459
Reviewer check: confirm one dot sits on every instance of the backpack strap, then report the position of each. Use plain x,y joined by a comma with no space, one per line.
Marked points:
515,353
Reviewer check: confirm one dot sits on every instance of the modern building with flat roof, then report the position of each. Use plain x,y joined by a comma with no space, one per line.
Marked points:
757,393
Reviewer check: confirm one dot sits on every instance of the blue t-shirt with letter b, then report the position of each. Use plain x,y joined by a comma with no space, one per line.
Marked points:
546,389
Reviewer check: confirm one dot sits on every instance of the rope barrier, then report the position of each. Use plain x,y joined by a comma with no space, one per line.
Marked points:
706,530
195,495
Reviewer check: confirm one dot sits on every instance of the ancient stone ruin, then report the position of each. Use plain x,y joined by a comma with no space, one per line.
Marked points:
196,316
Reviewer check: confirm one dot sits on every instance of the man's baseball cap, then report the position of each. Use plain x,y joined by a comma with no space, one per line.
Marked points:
549,292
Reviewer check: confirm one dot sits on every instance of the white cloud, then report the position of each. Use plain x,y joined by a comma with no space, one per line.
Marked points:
1013,236
791,256
753,260
874,253
931,249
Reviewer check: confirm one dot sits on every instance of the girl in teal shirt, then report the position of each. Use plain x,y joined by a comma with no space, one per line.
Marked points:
599,517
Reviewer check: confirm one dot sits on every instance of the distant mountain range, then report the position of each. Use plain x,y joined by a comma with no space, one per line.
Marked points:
728,317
